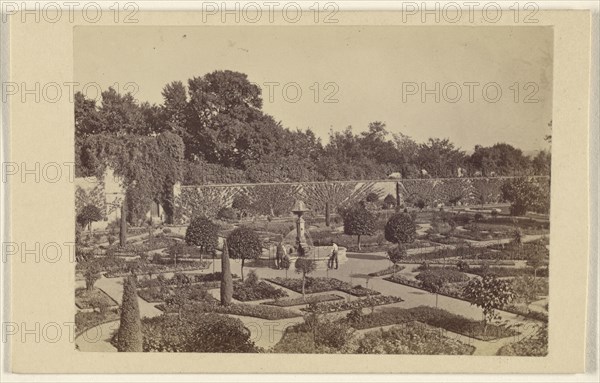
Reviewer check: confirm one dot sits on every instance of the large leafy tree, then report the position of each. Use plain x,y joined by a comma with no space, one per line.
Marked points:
526,195
440,158
223,105
175,107
500,159
359,221
244,243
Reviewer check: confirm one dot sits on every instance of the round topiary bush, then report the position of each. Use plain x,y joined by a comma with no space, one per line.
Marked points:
202,232
244,243
400,228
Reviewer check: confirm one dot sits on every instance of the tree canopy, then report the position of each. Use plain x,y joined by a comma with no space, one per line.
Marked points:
219,121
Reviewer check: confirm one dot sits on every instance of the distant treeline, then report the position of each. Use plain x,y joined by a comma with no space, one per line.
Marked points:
218,133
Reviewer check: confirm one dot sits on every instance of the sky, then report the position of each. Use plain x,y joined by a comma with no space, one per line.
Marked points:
331,77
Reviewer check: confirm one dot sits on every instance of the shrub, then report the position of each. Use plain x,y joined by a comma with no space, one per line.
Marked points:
202,333
400,228
490,294
226,278
411,338
463,266
372,197
89,214
389,202
130,335
166,230
227,214
202,232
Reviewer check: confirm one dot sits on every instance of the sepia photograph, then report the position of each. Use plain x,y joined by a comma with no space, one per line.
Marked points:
313,190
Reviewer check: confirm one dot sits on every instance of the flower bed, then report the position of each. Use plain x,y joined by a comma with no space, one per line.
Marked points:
387,271
87,320
150,268
256,291
525,347
154,294
445,274
193,293
151,244
160,280
449,290
433,317
321,285
256,311
302,301
508,271
411,338
94,299
329,307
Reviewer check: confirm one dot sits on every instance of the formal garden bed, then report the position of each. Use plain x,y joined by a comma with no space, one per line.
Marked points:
448,290
181,279
322,285
93,299
198,332
151,244
506,272
330,307
335,337
153,269
254,291
537,346
87,320
411,338
387,271
304,300
433,317
250,310
191,293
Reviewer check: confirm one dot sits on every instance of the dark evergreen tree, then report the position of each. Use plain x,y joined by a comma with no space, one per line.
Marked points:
130,329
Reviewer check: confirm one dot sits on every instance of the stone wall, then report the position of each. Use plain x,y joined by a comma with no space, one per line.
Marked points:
276,199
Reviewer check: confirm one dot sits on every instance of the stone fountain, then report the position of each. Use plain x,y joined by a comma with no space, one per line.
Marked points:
320,254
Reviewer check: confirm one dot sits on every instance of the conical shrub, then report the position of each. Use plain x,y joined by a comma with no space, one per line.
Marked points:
130,329
226,279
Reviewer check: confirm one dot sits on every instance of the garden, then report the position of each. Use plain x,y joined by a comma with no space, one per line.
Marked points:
484,260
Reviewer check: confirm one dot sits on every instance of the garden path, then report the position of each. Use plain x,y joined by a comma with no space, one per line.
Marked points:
97,339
